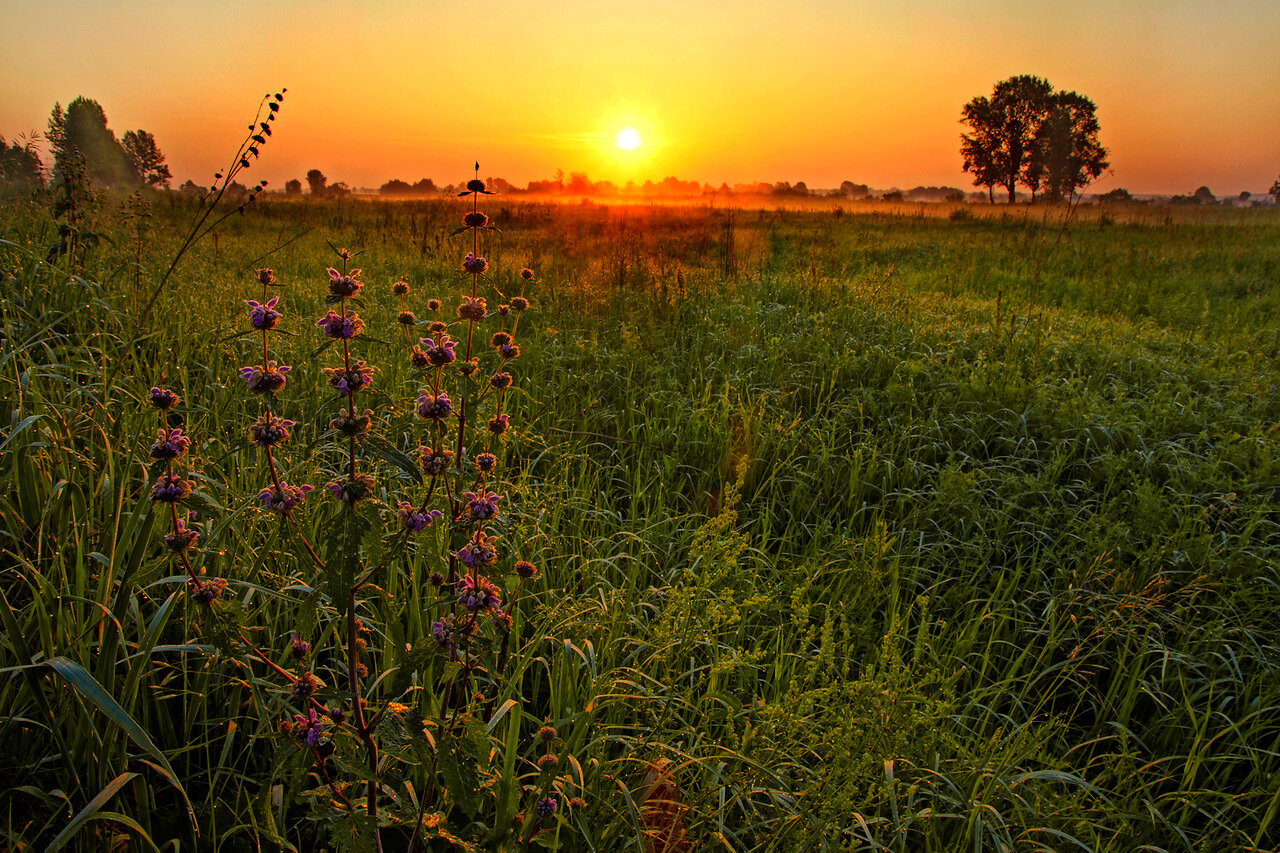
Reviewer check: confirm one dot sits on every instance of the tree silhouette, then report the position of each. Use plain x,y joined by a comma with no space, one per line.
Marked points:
983,152
1004,131
293,186
395,186
1026,133
20,165
851,190
83,129
1274,192
1067,154
316,182
146,158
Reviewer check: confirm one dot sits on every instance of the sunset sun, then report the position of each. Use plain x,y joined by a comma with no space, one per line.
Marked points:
628,139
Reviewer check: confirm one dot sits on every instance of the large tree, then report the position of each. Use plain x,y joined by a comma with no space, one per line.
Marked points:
317,183
1027,134
146,158
83,129
1067,154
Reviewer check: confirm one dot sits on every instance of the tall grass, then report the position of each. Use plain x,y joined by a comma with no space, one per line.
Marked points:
869,532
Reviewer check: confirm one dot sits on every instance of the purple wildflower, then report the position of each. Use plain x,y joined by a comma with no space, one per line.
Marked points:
306,685
526,274
181,538
413,519
206,592
509,351
298,647
339,327
500,339
479,551
265,380
263,316
434,407
475,219
546,807
351,490
266,276
479,595
268,430
169,444
474,265
519,303
434,462
348,382
500,380
440,353
400,288
349,426
486,462
310,728
498,425
163,399
170,488
343,286
483,505
473,308
448,631
283,499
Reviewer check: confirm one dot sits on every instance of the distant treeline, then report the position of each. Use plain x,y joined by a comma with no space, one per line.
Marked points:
578,184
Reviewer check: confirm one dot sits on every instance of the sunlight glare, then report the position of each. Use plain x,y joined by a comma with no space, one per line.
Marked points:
628,139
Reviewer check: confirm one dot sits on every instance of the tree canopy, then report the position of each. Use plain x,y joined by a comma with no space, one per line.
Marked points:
1027,134
20,165
146,158
82,129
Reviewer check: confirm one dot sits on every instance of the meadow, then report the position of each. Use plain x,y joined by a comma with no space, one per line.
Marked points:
866,527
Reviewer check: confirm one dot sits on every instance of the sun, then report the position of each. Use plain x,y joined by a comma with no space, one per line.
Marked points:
628,139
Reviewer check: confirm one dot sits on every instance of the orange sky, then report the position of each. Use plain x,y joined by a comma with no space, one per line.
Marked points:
732,92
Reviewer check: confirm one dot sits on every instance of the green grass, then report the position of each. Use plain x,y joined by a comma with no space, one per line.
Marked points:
887,531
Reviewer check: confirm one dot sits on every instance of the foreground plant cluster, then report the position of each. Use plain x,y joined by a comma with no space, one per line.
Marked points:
709,530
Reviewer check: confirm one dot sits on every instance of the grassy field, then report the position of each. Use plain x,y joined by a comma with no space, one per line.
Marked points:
863,528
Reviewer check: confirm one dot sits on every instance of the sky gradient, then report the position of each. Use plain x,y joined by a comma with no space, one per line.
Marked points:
1188,93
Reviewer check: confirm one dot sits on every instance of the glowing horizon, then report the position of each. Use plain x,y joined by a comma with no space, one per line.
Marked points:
820,92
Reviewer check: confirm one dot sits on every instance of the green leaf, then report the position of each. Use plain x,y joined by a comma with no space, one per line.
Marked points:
201,502
456,759
16,431
388,452
81,680
343,554
93,809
